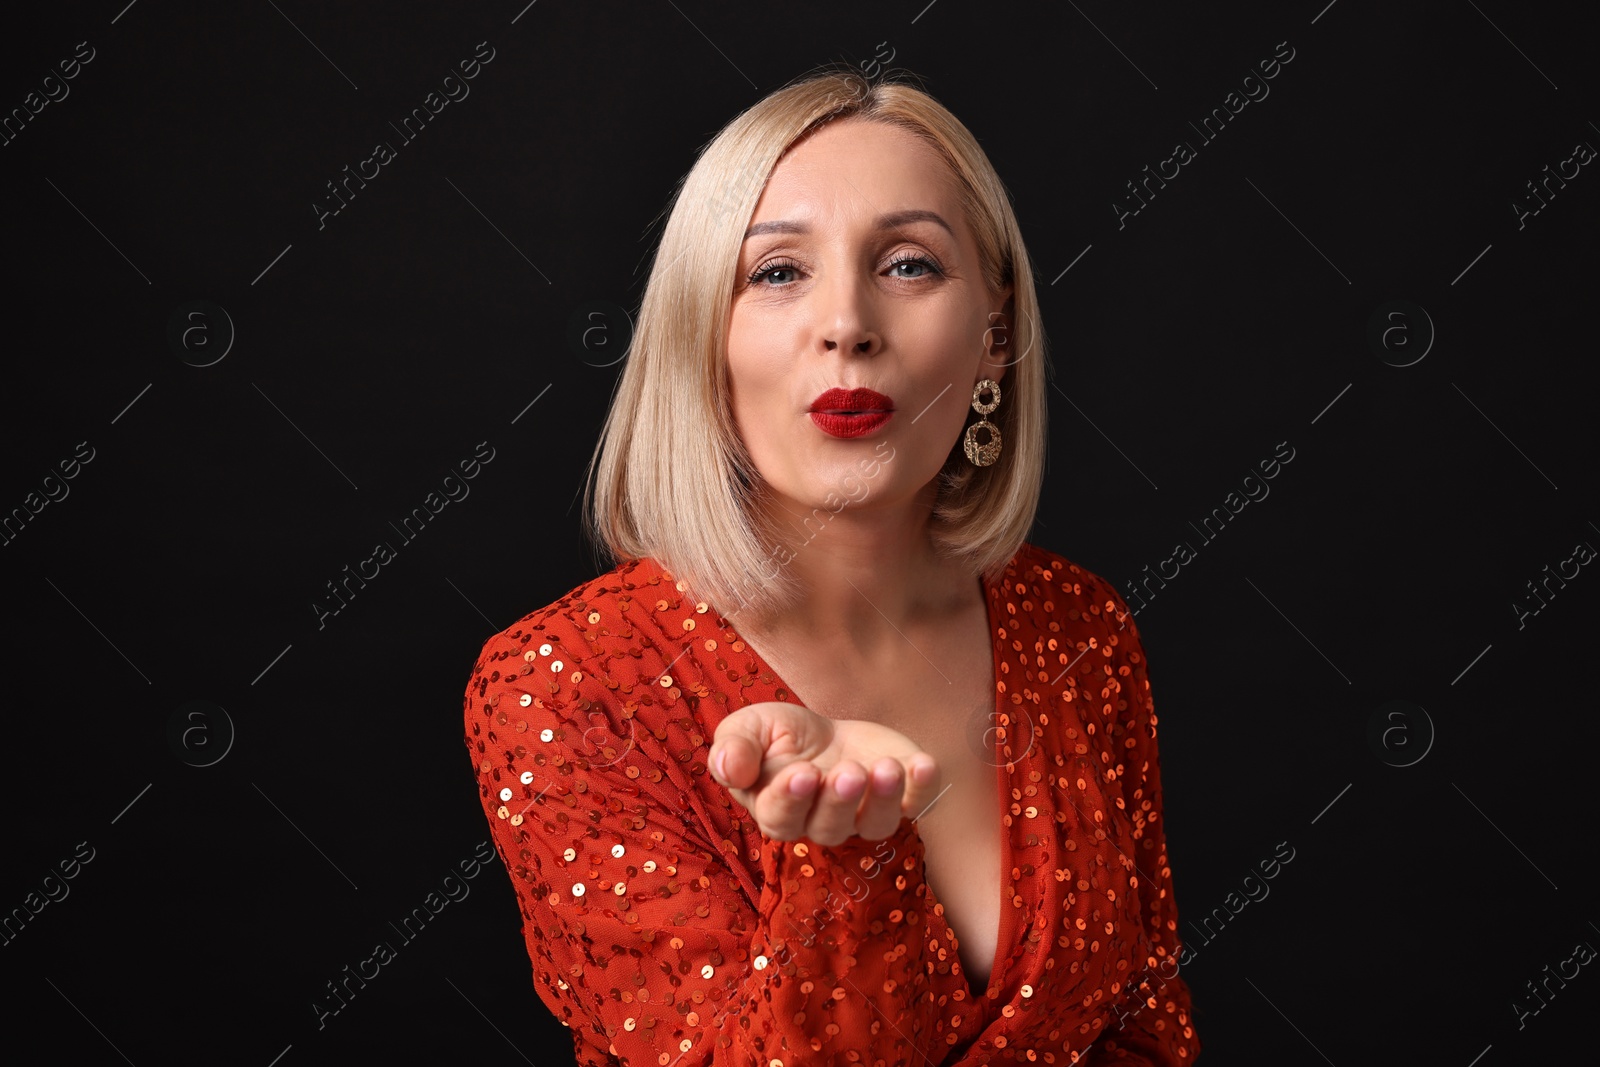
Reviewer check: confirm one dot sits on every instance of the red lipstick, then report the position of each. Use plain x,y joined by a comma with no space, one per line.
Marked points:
850,412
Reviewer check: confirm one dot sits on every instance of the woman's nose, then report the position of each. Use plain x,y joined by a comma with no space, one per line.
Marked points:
845,317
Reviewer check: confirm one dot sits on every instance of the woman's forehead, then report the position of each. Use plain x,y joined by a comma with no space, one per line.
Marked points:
861,172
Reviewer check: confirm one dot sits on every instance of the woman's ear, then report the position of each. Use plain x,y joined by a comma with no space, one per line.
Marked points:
999,346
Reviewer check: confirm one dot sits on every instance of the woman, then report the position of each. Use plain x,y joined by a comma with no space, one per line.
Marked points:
833,767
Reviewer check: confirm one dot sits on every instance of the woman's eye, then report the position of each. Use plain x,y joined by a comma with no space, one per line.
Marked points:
761,273
928,265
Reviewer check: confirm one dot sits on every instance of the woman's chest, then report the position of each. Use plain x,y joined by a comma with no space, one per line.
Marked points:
940,693
962,828
963,838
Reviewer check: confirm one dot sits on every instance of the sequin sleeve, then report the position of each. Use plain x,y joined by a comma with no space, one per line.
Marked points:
1151,1021
648,937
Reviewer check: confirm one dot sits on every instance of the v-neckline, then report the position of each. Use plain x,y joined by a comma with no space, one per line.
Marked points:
991,603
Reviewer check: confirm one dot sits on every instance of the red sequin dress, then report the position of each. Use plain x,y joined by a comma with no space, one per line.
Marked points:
665,930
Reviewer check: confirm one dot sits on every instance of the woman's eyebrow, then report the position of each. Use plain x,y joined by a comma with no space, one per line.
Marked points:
893,220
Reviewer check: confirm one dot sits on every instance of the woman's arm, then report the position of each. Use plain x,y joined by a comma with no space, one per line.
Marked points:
1152,1019
643,939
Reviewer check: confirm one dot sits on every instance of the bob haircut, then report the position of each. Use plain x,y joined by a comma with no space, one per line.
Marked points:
671,479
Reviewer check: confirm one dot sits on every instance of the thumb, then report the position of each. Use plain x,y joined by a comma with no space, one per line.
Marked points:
736,752
749,736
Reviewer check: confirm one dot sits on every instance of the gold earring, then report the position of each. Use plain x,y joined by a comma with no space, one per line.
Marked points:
982,455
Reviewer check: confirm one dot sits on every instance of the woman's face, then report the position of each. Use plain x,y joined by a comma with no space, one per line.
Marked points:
866,277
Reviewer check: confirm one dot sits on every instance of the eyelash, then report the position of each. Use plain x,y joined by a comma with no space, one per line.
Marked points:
903,257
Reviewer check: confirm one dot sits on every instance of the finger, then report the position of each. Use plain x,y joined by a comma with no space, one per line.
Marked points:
880,812
924,783
781,809
834,817
740,746
752,737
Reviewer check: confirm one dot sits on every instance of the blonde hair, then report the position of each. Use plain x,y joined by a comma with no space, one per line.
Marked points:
670,478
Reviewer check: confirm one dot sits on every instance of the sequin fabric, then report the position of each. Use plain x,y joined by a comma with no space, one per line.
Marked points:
665,930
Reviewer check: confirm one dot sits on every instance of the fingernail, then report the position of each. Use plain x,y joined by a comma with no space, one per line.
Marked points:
883,784
802,783
721,764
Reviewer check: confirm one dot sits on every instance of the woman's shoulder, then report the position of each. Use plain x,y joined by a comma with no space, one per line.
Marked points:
589,610
1034,563
1046,596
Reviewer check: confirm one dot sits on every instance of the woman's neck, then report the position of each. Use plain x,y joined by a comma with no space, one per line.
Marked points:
867,576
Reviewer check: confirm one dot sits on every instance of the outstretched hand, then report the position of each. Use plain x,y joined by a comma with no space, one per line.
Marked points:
773,756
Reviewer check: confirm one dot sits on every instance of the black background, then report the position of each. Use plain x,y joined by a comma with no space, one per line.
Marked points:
373,354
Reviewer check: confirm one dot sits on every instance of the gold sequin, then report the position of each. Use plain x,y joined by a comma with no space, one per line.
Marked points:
669,954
